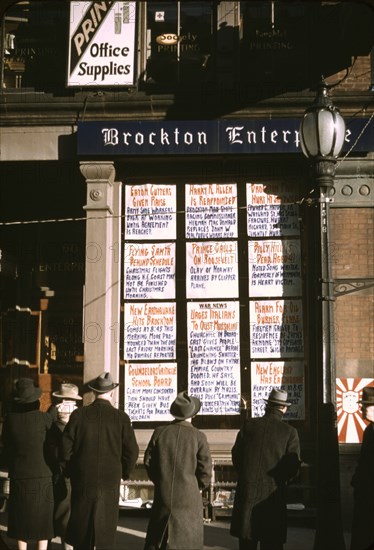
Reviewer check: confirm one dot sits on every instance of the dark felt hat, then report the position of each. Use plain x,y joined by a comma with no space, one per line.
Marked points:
367,396
103,383
26,392
278,397
185,406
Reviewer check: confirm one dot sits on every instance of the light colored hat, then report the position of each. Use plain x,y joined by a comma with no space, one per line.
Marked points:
67,391
278,397
26,392
185,406
103,383
367,396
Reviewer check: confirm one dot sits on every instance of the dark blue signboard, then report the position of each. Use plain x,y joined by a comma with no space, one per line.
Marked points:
206,137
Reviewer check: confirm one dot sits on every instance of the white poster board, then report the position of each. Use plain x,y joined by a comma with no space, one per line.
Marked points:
212,269
214,355
276,328
285,375
274,268
149,271
150,388
150,212
272,210
150,330
101,44
211,211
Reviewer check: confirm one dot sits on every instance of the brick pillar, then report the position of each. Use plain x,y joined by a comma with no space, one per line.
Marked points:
101,302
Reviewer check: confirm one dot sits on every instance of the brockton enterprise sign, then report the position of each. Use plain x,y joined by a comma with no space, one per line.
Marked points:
204,137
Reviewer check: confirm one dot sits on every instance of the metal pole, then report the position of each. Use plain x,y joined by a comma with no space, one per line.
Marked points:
329,527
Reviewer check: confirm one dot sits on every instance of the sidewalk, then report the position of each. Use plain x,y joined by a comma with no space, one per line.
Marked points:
132,528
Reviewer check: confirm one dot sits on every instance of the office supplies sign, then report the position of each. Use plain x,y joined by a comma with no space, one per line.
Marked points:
101,44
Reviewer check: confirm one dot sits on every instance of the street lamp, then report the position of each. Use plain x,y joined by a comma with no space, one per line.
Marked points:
322,133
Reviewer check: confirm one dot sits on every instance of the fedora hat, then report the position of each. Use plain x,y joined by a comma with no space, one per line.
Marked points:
103,383
26,392
67,391
278,397
367,396
185,406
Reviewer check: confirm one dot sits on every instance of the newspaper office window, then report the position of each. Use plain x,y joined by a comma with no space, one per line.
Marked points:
35,40
179,43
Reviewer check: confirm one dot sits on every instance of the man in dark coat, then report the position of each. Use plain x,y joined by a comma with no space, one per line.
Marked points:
363,481
178,462
99,448
265,456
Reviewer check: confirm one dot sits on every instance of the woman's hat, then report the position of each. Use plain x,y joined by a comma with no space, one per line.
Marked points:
26,392
185,406
67,391
103,383
367,396
278,397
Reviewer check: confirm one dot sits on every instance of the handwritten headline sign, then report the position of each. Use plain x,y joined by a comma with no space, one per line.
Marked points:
150,212
214,355
212,269
211,211
101,44
285,375
150,388
272,210
276,328
150,331
149,271
274,268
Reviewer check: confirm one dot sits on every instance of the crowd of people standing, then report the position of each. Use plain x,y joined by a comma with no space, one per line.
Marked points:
66,465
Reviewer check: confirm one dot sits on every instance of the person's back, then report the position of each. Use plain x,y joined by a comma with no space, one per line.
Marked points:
265,456
178,462
99,448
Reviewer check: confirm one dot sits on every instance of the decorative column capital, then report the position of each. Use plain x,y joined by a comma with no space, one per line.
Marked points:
99,178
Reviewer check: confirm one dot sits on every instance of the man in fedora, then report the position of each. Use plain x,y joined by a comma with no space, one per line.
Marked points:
265,455
363,480
178,462
66,398
98,449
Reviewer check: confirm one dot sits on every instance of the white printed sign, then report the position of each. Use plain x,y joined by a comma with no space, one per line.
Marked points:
150,388
212,269
149,271
211,211
272,210
274,268
276,328
285,375
150,212
150,331
214,355
102,44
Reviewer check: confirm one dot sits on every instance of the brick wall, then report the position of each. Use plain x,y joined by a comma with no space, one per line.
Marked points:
352,245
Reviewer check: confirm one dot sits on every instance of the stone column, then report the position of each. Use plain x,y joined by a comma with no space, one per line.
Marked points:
101,301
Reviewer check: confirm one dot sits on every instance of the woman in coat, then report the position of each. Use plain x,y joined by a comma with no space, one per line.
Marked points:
30,514
178,462
265,455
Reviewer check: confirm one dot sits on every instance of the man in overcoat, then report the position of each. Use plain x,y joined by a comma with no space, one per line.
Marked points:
363,480
99,448
265,455
178,462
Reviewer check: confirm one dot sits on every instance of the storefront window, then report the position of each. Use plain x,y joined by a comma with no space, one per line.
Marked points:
179,42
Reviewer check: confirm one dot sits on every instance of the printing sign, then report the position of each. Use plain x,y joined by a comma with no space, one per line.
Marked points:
101,44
